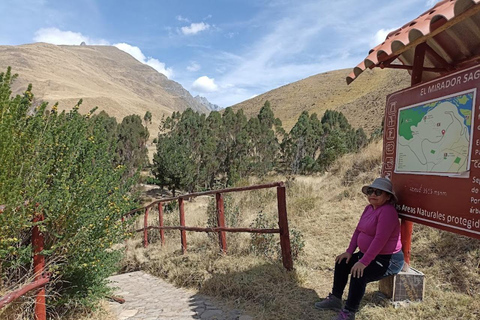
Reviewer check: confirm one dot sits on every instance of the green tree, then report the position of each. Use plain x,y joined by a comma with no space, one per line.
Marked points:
131,145
339,138
233,145
59,164
147,118
263,147
173,165
302,145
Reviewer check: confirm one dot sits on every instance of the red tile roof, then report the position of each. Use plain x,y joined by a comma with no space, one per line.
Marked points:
451,29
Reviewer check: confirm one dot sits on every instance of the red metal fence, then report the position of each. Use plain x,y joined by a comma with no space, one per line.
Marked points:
221,229
40,280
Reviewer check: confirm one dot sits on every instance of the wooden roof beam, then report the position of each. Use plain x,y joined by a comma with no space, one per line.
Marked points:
439,59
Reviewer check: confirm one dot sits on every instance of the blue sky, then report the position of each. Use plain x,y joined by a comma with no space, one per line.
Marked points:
225,50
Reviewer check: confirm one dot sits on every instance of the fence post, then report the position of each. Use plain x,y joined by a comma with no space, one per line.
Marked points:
183,233
38,267
2,207
160,223
222,238
145,230
284,232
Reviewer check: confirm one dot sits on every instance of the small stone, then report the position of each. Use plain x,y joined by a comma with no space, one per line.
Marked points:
209,314
127,314
244,317
199,311
236,312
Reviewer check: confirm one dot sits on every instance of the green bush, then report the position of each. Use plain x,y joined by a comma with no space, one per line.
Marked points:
231,212
59,164
263,244
268,244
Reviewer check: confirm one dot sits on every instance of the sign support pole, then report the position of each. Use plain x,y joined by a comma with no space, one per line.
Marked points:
407,226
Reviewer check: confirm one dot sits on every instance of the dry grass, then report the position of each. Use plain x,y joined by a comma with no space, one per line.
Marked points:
325,208
360,102
23,307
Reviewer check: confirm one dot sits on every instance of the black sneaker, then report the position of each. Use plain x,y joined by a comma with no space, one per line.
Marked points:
329,303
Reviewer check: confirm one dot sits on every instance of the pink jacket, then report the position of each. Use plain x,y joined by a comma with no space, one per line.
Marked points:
377,232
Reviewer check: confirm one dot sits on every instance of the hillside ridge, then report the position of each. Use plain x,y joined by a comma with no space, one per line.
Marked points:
117,83
102,76
362,102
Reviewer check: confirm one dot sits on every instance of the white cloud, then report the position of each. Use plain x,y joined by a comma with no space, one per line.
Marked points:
195,28
380,37
57,36
180,18
152,62
204,84
160,67
194,66
281,54
132,50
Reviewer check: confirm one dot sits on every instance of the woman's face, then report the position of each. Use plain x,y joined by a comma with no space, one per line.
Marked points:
377,197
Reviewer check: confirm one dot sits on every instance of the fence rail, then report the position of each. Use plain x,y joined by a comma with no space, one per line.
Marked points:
40,278
221,229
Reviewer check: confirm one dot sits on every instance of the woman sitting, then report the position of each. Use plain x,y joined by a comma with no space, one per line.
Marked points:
377,236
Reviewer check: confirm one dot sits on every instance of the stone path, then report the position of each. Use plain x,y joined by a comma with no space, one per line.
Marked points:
150,298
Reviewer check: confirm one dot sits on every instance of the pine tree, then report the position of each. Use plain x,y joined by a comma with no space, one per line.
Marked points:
131,147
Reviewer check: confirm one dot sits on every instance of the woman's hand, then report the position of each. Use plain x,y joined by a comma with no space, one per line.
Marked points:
357,270
344,255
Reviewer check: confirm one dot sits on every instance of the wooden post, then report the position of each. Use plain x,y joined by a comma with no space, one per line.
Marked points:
407,226
145,230
284,232
2,207
160,223
38,267
418,61
183,233
222,238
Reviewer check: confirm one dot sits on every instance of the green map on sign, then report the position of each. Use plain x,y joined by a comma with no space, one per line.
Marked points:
434,138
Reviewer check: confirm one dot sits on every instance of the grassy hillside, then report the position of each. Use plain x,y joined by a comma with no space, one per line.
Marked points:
362,102
325,210
102,76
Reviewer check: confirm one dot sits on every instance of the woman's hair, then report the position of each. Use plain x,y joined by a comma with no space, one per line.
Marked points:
392,198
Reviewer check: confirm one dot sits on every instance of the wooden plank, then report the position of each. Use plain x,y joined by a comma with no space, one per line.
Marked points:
226,229
160,223
145,230
222,238
183,234
284,231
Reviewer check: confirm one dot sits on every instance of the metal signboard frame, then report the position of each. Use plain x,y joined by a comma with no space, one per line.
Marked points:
432,152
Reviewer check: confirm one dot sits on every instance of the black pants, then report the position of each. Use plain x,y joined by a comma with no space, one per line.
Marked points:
373,272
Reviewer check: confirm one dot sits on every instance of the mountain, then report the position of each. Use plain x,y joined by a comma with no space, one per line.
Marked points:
210,106
102,76
111,79
362,102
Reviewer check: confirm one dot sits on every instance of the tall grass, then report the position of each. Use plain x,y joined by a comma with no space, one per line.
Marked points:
325,209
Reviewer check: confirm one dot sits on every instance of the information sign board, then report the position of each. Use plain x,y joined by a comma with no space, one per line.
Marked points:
432,152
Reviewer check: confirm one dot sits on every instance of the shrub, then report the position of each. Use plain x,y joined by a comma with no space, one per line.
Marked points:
268,244
263,244
231,212
59,164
